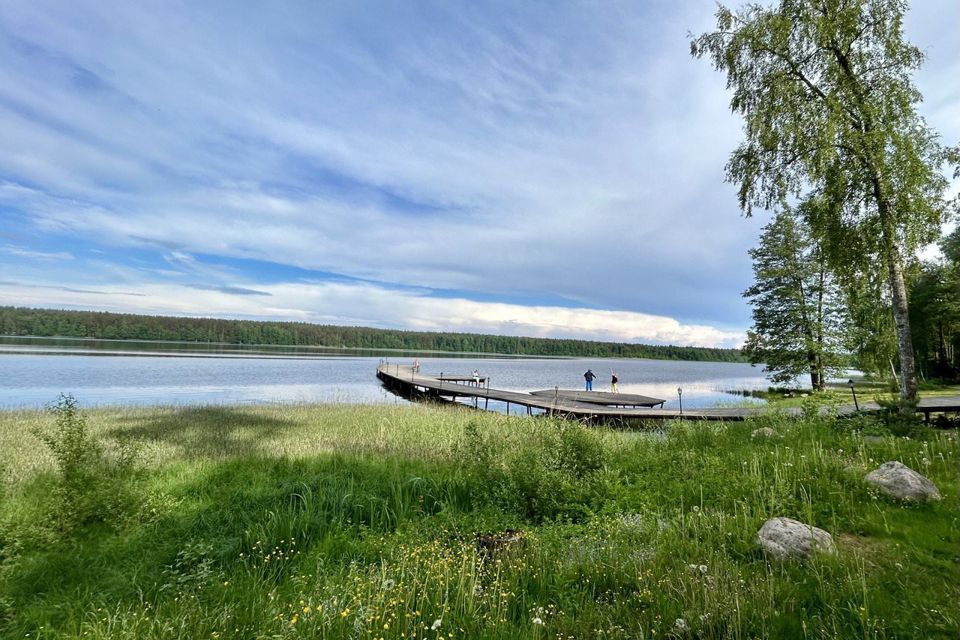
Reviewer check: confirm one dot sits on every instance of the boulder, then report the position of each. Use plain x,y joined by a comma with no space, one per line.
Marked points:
900,481
764,432
783,538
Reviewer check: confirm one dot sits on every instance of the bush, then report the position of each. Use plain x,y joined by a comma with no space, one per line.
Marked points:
556,475
92,485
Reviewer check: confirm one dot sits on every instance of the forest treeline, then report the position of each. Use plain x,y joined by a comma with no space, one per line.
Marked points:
18,321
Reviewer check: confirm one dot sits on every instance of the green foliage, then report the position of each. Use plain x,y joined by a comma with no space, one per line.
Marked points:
556,475
360,522
830,120
935,312
799,320
92,484
16,321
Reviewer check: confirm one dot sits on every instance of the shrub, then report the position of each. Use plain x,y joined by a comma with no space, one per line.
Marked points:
557,474
92,485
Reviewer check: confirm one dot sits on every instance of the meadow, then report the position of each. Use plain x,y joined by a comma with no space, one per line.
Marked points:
441,522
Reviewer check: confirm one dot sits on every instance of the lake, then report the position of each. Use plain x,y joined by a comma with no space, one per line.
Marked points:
33,372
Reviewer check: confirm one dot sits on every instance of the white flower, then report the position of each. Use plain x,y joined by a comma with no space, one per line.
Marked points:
537,621
702,568
435,625
388,584
680,625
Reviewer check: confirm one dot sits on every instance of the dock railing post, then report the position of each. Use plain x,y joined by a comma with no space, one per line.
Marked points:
680,396
855,403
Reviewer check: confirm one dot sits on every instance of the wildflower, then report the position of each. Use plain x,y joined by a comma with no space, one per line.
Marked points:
388,584
537,621
681,625
435,625
702,568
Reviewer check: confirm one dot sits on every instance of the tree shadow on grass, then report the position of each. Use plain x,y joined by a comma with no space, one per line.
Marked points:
207,533
203,432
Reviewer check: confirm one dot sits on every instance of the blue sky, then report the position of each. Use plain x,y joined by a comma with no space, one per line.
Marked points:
546,169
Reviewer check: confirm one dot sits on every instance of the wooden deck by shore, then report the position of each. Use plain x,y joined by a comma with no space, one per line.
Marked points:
592,405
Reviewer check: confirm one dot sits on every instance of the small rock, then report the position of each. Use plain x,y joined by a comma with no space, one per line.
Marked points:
764,432
489,544
784,538
900,481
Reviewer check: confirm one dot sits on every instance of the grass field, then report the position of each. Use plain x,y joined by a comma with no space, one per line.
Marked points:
392,522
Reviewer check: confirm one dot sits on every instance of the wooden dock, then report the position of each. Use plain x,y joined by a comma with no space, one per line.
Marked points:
596,405
590,405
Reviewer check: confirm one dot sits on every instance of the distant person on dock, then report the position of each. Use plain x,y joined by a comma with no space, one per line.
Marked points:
588,376
476,377
613,383
416,366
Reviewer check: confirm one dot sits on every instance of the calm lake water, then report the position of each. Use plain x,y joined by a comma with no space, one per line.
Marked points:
33,372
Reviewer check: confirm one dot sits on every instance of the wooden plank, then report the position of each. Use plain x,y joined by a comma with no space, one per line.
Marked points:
601,397
578,404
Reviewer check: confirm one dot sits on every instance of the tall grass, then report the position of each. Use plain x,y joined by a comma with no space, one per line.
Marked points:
370,522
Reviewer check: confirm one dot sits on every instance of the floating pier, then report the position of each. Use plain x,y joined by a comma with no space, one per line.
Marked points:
591,405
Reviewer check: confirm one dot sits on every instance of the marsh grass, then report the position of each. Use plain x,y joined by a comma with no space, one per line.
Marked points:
363,522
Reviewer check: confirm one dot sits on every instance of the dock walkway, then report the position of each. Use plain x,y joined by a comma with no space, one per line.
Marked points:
574,404
592,405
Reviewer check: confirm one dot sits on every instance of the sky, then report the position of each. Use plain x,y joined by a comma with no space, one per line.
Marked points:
550,169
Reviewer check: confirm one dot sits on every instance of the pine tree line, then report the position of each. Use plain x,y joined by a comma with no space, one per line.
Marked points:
18,321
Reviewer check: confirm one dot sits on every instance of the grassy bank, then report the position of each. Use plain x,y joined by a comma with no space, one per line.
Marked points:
370,522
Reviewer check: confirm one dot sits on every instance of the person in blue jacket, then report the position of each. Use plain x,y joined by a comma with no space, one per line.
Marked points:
588,376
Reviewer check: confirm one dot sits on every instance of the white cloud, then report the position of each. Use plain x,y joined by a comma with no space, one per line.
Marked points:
368,305
20,252
503,151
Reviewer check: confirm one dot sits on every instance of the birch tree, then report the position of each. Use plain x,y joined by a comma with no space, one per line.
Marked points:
824,88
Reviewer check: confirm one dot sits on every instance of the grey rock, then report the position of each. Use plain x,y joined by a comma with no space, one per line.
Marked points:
764,432
783,538
900,481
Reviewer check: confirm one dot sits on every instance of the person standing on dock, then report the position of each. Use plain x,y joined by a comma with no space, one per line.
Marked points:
476,377
588,376
613,383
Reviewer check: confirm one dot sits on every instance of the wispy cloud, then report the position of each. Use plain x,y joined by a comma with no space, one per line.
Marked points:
491,152
36,255
236,291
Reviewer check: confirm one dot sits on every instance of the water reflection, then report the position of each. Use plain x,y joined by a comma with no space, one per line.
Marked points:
32,375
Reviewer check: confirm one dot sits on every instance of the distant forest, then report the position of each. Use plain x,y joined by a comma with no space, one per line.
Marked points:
17,321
